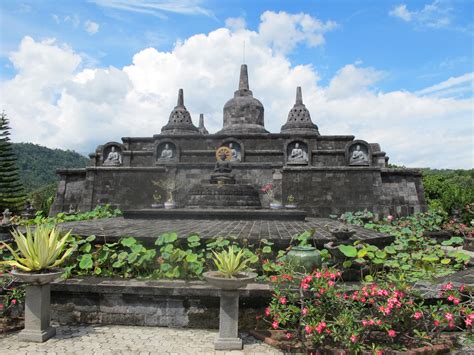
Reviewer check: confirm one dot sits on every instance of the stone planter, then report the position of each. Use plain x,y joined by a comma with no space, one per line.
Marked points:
276,205
170,205
37,305
304,258
228,337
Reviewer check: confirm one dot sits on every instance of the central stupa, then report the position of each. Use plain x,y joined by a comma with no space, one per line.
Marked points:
243,113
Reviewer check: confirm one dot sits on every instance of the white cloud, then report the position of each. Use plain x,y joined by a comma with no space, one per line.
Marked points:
456,85
438,14
55,102
283,31
91,27
402,12
235,23
156,7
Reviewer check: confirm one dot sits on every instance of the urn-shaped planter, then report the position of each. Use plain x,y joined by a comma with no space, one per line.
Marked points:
228,337
276,205
38,304
304,258
170,205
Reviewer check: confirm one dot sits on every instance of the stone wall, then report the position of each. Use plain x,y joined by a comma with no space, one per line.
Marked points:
149,303
325,185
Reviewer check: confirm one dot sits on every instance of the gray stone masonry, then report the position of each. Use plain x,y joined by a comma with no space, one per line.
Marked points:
228,337
37,314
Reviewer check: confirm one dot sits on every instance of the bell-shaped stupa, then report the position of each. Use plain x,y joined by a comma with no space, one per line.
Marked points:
180,119
299,119
243,113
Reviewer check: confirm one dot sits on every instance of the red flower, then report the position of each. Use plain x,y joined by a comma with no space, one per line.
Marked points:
288,336
449,316
273,278
275,325
320,327
304,311
353,338
283,300
436,323
392,333
308,329
267,311
13,301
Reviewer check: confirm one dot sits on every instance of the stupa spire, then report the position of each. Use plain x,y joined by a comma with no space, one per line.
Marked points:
299,96
180,98
201,127
244,78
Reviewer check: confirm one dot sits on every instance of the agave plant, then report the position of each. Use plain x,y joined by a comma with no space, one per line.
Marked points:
39,249
229,263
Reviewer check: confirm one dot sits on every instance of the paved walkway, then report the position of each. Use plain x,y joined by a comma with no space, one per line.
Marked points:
253,230
92,339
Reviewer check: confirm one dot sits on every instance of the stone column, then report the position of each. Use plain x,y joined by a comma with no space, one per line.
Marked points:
37,314
228,338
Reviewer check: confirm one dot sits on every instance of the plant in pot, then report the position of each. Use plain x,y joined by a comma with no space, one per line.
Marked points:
170,186
156,200
290,202
232,273
40,252
269,190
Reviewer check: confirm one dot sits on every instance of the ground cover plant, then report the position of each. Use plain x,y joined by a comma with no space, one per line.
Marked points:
314,311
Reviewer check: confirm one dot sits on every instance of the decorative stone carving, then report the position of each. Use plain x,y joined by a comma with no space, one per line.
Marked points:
166,152
114,157
243,113
297,153
299,119
180,120
358,153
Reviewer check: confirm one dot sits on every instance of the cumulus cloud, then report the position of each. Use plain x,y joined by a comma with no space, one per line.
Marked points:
283,31
54,101
402,12
91,27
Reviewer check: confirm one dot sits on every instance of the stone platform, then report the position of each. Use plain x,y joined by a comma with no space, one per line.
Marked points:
278,231
227,214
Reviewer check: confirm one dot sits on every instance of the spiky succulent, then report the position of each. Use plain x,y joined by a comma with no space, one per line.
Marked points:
39,249
229,263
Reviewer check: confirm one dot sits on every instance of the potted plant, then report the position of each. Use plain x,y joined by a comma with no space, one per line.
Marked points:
268,189
170,186
232,273
290,202
157,200
40,253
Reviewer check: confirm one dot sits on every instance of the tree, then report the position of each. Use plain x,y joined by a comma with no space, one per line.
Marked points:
12,195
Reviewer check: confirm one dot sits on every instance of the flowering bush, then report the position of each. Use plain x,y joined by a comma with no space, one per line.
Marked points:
11,296
315,311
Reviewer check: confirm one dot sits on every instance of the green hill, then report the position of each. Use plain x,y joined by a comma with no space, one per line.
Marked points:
38,164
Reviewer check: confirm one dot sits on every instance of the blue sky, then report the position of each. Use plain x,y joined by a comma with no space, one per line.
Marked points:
353,56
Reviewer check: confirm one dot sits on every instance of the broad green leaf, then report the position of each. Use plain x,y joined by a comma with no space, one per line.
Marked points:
348,250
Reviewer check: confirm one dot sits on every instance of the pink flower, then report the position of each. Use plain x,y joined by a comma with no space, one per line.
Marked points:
320,327
331,283
390,218
13,301
353,338
417,315
283,300
449,316
448,286
436,323
461,288
267,311
318,275
304,311
275,325
308,329
468,322
365,323
392,333
288,336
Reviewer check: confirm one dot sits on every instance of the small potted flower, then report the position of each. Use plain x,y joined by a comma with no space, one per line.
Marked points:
157,200
268,189
36,263
290,202
232,273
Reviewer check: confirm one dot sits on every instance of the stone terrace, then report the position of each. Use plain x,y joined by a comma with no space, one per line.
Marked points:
280,232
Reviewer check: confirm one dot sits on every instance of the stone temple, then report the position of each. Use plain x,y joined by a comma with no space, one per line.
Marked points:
326,174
